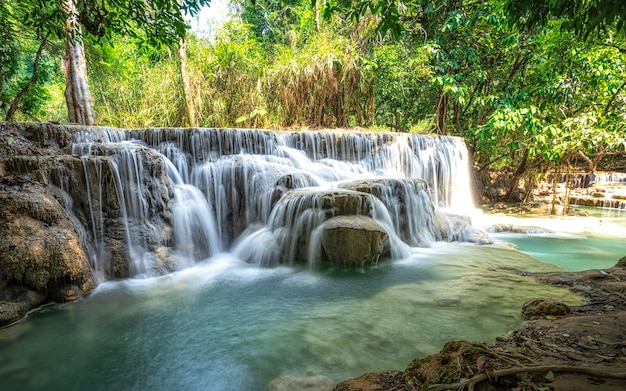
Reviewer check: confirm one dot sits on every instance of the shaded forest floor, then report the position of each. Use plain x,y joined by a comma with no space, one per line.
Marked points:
584,349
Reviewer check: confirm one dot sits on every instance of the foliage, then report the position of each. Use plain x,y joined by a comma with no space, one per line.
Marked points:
278,22
158,21
585,17
539,94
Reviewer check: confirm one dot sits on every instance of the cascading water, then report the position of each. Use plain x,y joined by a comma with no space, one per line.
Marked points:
267,192
601,190
206,206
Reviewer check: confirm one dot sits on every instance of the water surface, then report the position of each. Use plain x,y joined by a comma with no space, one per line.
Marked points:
227,325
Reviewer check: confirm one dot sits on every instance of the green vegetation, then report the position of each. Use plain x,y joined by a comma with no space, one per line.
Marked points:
533,86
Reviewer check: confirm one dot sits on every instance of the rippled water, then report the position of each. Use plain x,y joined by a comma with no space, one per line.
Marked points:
227,325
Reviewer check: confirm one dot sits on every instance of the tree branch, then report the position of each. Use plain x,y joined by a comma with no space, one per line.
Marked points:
33,80
608,105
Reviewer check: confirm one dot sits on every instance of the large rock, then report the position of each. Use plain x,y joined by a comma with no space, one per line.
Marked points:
409,204
40,249
353,240
94,186
299,212
539,307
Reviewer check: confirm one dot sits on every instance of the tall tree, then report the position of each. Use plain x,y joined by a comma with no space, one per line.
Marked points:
155,21
77,93
190,108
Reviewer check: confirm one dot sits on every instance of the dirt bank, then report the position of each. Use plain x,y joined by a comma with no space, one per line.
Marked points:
582,350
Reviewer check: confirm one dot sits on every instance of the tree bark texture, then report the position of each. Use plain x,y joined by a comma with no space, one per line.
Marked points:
190,109
77,93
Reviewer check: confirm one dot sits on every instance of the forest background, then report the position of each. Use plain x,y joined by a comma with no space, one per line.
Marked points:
535,87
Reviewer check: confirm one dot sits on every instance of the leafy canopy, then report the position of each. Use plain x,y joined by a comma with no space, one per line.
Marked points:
582,16
161,21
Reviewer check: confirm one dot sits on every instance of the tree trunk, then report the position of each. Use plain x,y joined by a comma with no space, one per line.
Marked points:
517,175
33,80
442,113
568,176
554,190
317,15
190,109
77,94
457,118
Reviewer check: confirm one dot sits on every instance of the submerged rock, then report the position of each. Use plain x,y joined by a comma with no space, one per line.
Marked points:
354,240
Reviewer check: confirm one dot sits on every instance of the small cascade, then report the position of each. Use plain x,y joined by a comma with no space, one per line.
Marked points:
300,212
95,196
269,197
601,190
244,189
133,208
193,222
408,203
128,196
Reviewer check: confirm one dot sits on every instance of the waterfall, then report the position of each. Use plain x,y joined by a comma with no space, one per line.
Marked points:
94,199
264,195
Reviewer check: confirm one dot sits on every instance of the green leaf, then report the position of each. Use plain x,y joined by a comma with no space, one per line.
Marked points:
549,377
241,119
10,140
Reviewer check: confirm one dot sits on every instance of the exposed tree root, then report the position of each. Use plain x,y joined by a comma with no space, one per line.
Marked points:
469,384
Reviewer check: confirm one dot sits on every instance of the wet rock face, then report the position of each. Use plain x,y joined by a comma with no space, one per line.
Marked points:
16,301
92,184
409,205
353,240
301,211
41,254
62,224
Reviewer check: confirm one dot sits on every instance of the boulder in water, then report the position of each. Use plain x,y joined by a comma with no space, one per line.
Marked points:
409,204
458,227
16,301
353,240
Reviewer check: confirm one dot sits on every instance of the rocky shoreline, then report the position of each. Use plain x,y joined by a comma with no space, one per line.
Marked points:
584,349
